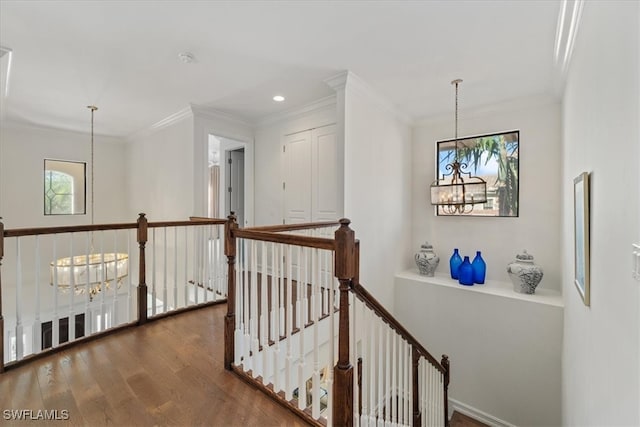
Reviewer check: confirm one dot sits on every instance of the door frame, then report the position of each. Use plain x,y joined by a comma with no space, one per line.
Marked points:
228,144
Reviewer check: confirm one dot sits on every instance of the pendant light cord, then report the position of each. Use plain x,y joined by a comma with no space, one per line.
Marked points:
456,82
93,108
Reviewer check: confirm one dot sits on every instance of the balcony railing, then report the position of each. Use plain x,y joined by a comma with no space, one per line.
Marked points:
60,285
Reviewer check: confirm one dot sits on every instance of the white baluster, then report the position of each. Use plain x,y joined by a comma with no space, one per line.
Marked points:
153,272
264,311
71,324
387,394
394,379
288,389
246,289
302,288
116,280
366,360
206,257
176,305
332,361
165,307
253,331
55,340
37,324
401,382
275,288
185,283
88,321
409,382
315,300
424,371
372,370
103,293
305,286
19,327
240,304
380,403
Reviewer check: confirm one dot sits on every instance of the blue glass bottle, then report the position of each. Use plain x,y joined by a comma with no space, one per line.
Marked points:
454,263
479,269
465,273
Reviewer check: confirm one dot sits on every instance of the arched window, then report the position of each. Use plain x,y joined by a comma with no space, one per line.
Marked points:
64,189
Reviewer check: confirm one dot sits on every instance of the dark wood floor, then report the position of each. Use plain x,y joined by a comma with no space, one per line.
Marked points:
166,373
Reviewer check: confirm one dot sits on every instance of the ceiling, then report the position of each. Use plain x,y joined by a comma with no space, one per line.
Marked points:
123,56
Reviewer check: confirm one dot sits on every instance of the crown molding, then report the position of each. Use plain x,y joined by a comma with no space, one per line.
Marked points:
22,125
569,19
166,122
348,80
294,113
521,103
210,113
339,81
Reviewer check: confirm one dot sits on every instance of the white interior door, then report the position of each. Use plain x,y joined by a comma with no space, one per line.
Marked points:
311,176
297,178
235,181
324,174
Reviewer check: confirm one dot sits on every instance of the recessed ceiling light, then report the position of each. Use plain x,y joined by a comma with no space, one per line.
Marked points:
278,98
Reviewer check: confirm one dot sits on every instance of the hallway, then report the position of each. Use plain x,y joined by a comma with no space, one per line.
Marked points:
168,372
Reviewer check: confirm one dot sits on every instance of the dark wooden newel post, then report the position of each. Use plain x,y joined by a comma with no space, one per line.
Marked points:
230,319
142,273
415,359
1,318
345,264
445,365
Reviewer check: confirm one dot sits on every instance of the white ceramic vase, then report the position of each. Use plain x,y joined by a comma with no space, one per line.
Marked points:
524,273
427,260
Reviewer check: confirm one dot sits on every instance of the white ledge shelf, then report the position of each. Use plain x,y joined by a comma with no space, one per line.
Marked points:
490,287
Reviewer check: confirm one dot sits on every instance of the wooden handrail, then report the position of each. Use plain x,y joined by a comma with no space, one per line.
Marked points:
20,232
369,300
288,239
294,227
190,223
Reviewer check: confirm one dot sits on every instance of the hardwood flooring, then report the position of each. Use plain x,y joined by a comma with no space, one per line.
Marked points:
168,372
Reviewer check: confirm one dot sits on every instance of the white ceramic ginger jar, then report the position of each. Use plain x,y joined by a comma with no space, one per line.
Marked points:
427,260
524,273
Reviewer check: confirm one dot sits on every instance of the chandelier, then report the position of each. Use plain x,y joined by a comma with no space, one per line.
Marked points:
451,193
90,272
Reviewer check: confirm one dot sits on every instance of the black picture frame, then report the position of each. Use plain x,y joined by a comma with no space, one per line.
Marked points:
495,157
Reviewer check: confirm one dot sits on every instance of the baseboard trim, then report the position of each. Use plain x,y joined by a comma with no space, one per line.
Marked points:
477,414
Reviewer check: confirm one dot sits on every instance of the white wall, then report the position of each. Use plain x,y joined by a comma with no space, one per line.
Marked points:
504,348
601,354
160,165
22,169
269,157
377,186
537,228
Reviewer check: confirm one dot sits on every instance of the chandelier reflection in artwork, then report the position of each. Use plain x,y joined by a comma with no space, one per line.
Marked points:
457,191
90,272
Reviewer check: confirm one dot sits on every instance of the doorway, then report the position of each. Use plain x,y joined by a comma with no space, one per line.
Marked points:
226,178
235,183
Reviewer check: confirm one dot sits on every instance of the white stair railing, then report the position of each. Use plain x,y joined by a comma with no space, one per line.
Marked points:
301,324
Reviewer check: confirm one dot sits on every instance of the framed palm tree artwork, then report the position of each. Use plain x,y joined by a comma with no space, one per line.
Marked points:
492,157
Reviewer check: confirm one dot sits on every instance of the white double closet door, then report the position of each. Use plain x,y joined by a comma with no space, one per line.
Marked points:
311,175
